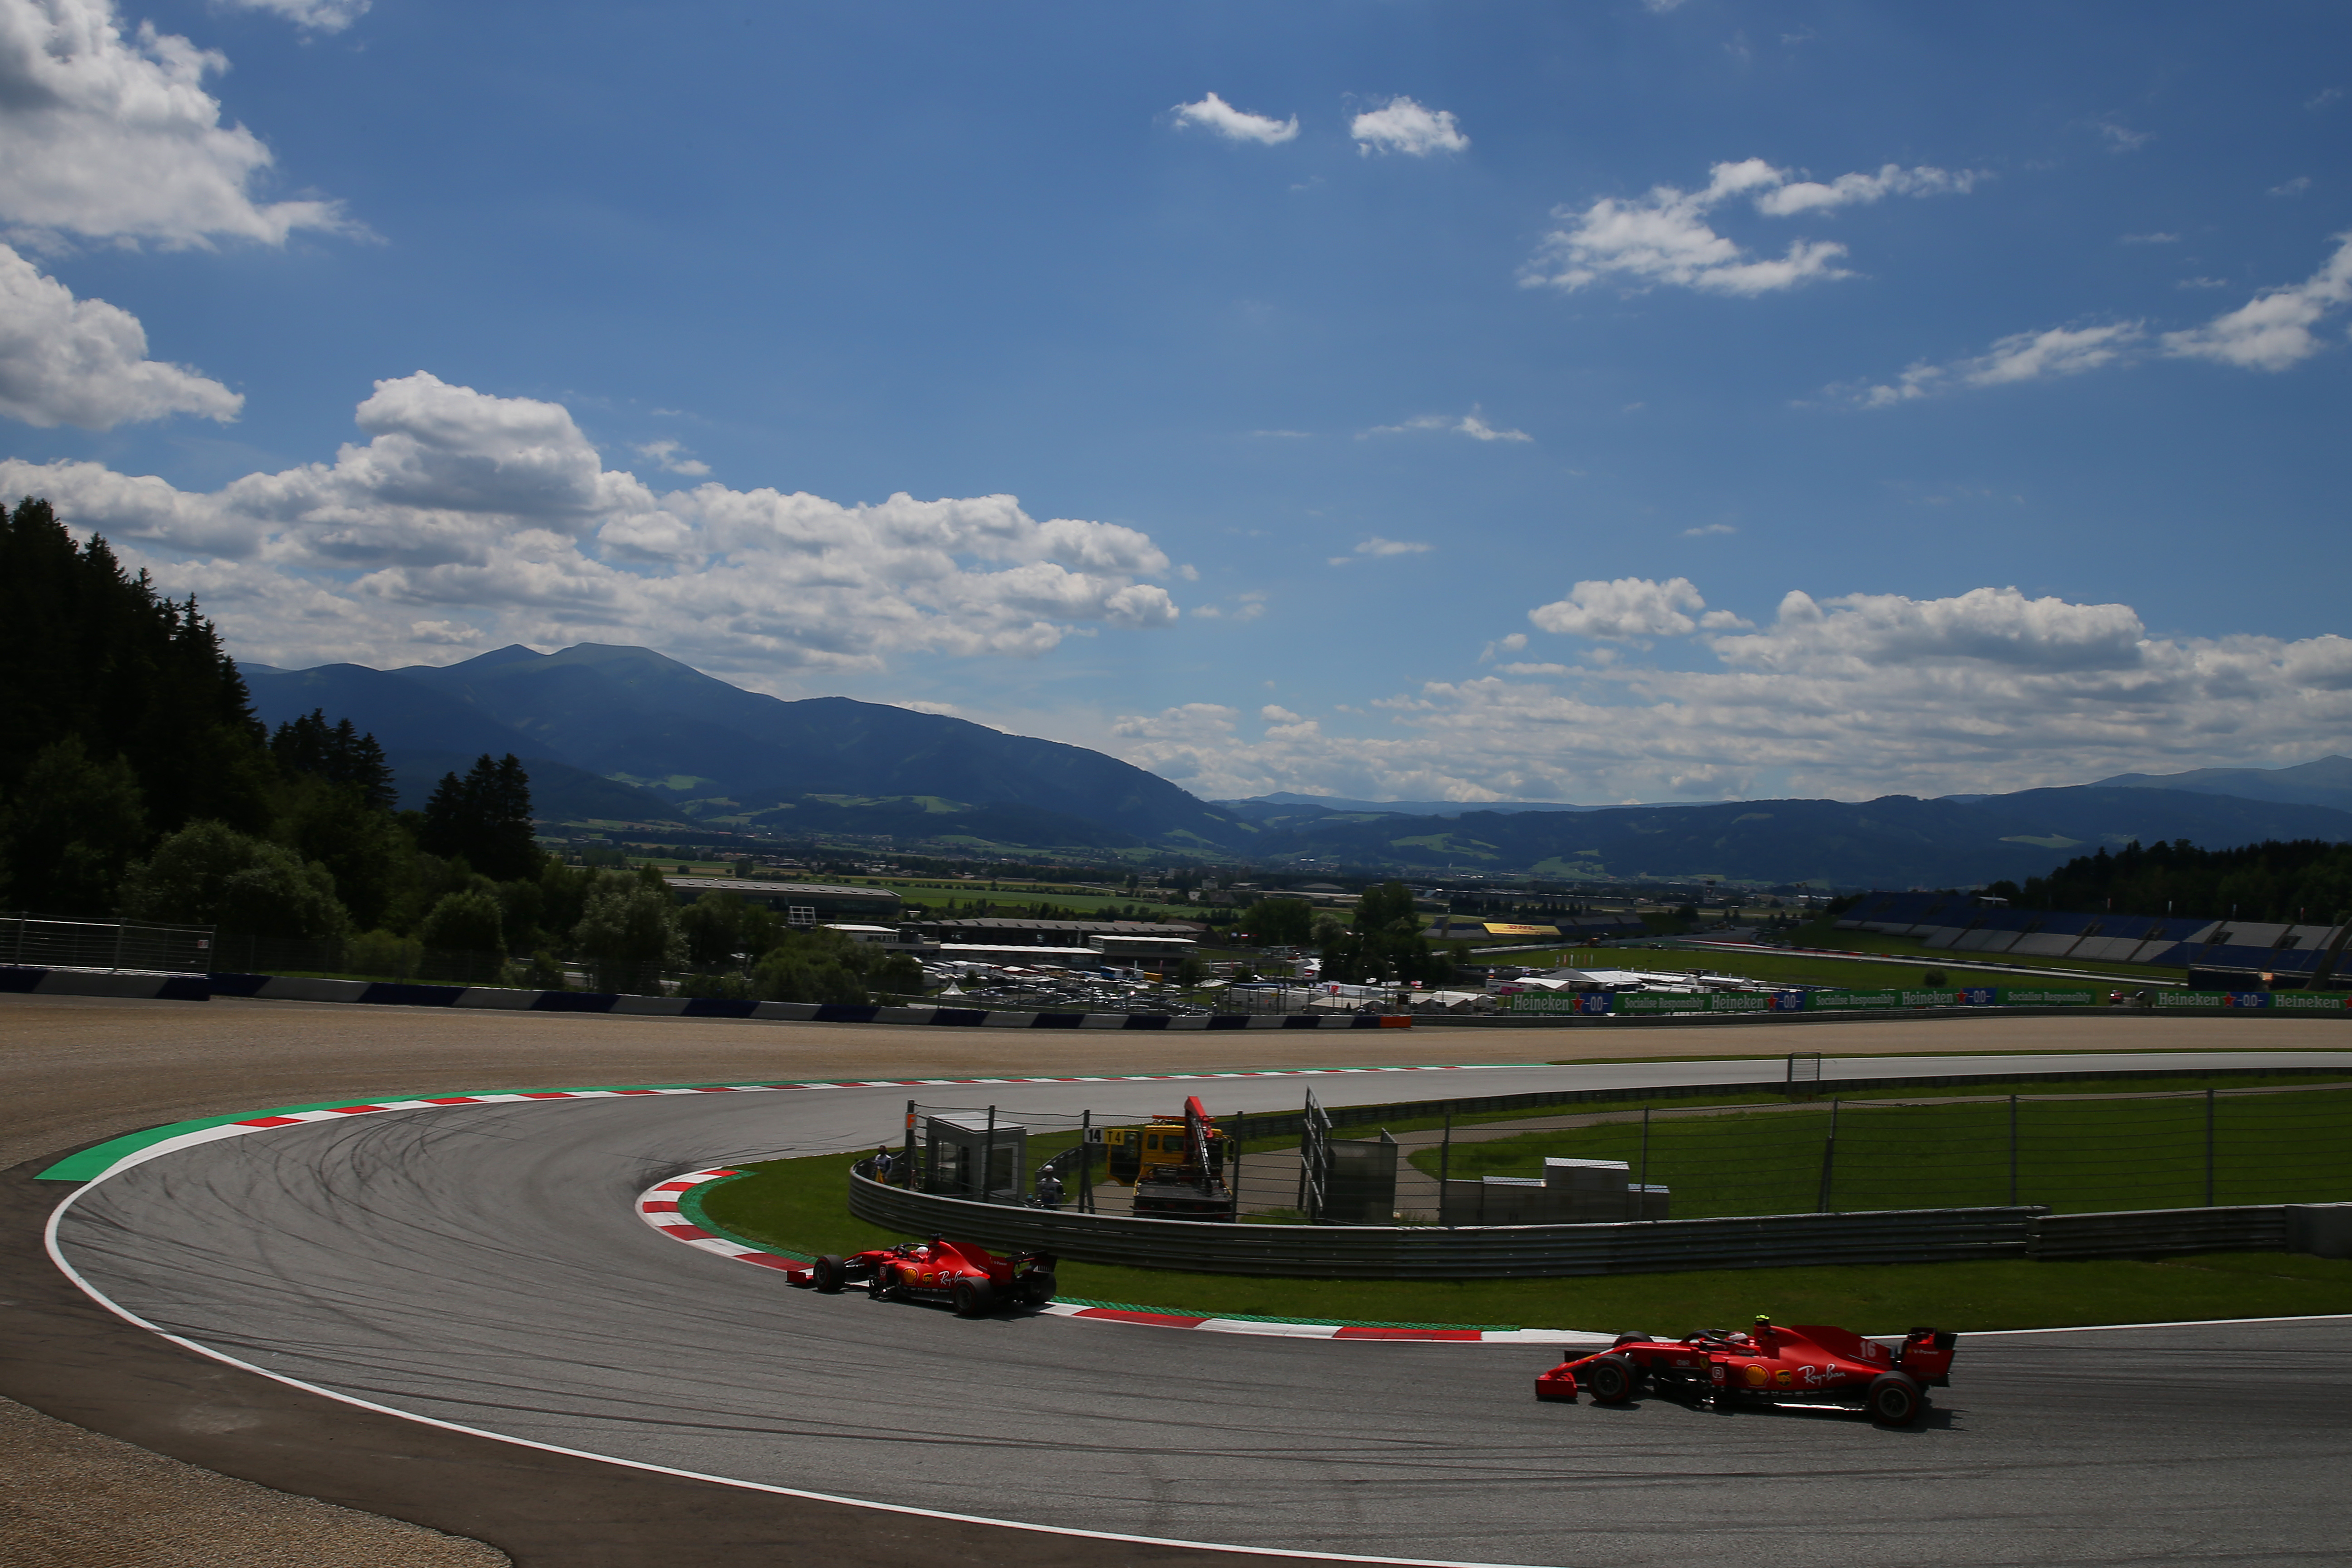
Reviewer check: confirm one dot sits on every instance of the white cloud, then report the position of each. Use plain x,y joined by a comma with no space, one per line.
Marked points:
65,360
2294,187
467,510
312,15
2273,331
1665,236
1274,713
1852,697
2151,239
109,137
1627,607
1660,7
1708,531
1377,547
1213,113
1994,626
1511,644
2122,138
1473,425
1403,126
2323,98
1861,190
2022,356
1247,607
671,457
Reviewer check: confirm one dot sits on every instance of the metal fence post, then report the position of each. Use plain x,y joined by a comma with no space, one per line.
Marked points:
1644,1208
908,1160
1086,1162
2208,1148
1828,1161
1444,1166
988,1162
2012,1151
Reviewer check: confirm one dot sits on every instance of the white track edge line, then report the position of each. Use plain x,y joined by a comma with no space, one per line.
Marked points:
2175,1323
57,1255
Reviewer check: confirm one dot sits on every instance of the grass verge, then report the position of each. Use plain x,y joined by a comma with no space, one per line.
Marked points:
2073,1155
798,1204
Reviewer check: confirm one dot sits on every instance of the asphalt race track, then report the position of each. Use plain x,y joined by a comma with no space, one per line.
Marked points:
483,1265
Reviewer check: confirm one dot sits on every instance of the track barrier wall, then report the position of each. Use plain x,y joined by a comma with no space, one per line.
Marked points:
1426,1252
1659,1246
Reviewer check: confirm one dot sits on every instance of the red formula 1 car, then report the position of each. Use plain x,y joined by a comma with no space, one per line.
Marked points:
1807,1364
972,1279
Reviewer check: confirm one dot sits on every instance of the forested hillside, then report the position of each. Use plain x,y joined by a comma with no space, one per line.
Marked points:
2303,879
136,781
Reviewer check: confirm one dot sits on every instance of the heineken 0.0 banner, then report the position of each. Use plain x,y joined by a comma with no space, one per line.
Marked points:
1590,1002
2310,1001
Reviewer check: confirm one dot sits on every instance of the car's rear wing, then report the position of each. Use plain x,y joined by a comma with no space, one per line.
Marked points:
1926,1354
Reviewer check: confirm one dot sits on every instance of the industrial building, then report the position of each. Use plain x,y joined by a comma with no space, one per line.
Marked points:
1089,944
801,904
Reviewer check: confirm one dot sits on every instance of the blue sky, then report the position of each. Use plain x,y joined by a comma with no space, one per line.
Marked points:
1618,401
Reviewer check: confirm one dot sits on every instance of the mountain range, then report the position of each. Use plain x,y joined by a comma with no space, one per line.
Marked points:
2327,781
626,737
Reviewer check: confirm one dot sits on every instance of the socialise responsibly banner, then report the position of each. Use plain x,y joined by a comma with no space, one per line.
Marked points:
1635,1002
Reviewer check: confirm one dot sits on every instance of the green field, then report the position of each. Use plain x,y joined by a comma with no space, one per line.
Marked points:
2073,1155
1381,1118
798,1206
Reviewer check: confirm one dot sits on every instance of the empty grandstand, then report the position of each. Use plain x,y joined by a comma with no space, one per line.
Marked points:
2223,954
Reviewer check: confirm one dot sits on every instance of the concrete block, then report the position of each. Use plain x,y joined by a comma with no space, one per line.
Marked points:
2323,1230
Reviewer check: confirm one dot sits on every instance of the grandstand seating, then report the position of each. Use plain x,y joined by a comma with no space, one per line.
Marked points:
2227,949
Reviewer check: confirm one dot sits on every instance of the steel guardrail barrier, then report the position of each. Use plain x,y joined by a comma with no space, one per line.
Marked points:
2148,1233
1428,1252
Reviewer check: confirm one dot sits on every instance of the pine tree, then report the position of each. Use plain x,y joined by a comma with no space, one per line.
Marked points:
483,818
338,754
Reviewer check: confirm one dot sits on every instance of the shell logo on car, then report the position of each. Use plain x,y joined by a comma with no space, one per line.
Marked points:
1758,1377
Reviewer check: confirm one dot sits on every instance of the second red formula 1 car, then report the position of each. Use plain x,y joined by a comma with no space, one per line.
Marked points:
1809,1364
972,1279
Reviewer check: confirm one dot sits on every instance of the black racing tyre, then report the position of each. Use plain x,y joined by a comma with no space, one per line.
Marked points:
1894,1399
1038,1287
827,1273
1613,1380
974,1298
